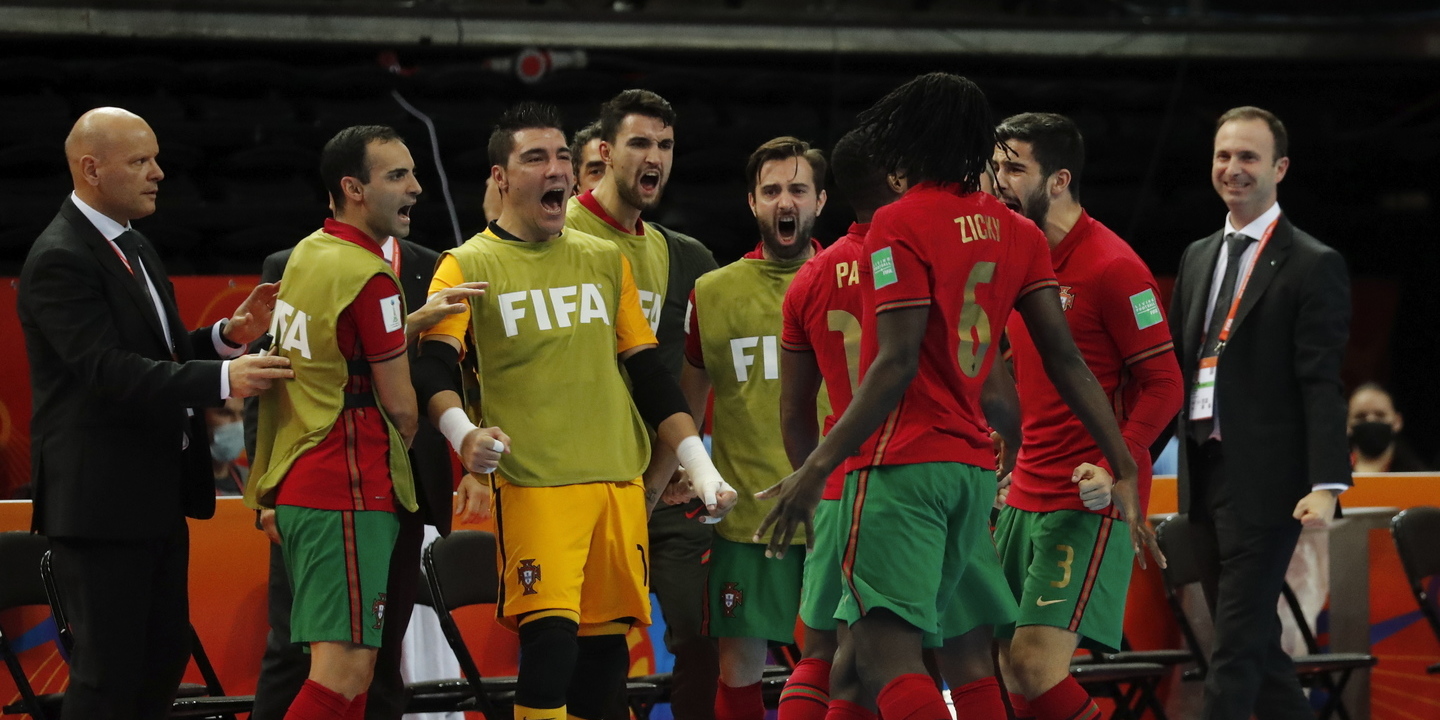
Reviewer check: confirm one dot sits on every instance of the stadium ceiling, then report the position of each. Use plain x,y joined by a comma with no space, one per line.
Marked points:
1086,28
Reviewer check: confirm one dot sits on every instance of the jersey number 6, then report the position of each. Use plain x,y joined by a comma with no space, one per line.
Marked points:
974,327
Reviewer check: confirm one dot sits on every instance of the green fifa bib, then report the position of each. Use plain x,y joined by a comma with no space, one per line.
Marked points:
739,313
545,346
323,276
649,255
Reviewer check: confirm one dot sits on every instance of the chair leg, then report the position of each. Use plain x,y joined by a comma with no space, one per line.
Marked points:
1336,702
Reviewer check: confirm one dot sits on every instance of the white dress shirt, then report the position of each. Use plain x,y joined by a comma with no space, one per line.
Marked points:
111,230
1256,229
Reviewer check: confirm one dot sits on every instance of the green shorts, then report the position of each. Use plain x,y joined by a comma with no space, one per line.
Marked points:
751,595
1068,569
820,592
339,564
918,534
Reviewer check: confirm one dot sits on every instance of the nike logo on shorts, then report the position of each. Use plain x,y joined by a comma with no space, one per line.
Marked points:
1042,602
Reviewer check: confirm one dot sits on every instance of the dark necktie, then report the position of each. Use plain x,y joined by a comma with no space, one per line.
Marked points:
129,243
1235,244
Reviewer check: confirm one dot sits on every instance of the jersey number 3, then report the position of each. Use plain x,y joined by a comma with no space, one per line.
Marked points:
974,330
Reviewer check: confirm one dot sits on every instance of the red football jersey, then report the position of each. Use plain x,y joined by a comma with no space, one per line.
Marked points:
822,315
1112,304
969,259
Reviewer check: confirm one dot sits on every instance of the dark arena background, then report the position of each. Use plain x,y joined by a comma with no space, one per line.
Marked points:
243,94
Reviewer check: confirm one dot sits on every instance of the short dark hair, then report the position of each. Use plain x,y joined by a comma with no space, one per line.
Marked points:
862,182
936,127
781,148
583,136
1250,112
632,102
521,116
345,155
1054,139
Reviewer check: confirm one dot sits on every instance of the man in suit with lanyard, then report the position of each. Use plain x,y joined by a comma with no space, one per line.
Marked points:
285,664
116,377
1260,316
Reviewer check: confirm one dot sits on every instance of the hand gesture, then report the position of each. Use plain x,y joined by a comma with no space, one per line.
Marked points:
1004,455
1126,496
252,318
447,301
1316,509
796,498
482,448
250,374
1002,491
680,490
1094,483
474,499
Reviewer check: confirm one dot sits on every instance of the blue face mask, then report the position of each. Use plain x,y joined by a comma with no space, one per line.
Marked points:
228,443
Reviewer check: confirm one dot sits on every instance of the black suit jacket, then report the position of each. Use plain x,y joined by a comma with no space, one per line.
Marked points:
109,399
430,453
1277,388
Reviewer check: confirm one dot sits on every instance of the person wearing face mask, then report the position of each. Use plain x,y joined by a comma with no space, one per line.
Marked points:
227,442
1374,426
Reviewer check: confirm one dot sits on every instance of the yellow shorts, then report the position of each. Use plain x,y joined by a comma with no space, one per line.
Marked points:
583,548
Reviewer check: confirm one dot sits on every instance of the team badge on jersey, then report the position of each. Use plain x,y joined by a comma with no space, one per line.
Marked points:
378,610
529,574
731,598
1067,298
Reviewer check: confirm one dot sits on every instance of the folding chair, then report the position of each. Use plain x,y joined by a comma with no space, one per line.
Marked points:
1327,671
1417,534
460,570
204,701
1131,685
20,554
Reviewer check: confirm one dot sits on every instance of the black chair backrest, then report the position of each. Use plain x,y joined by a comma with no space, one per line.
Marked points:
1417,537
1312,647
20,554
1175,539
460,570
463,566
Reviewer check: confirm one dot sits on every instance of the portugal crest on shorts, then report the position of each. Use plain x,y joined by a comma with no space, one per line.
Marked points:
731,598
378,610
529,574
1067,298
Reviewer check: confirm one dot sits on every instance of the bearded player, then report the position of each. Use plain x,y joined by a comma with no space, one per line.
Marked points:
1065,553
948,265
734,346
570,506
821,341
634,144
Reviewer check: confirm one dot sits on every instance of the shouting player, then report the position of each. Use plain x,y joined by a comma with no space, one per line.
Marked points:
734,346
1067,554
634,144
331,445
948,264
821,341
569,503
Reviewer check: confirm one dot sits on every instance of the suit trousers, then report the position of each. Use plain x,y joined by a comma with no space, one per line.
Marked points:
128,605
285,665
678,545
1242,568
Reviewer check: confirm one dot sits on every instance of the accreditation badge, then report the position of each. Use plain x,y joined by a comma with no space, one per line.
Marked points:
1202,398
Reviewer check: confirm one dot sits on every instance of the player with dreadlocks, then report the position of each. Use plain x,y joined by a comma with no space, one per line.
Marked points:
946,264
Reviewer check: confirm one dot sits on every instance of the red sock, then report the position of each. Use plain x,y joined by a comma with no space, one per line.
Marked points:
317,702
1065,701
912,697
846,710
979,699
807,692
357,707
1021,707
739,703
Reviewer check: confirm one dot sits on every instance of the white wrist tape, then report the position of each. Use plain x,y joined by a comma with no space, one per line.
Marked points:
704,477
455,425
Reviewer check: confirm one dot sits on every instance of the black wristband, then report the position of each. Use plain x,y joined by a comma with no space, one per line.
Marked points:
434,371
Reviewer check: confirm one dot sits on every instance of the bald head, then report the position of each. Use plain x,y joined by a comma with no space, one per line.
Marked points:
112,157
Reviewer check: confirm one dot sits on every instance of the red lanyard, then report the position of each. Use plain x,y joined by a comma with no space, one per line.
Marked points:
395,256
1240,287
121,255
